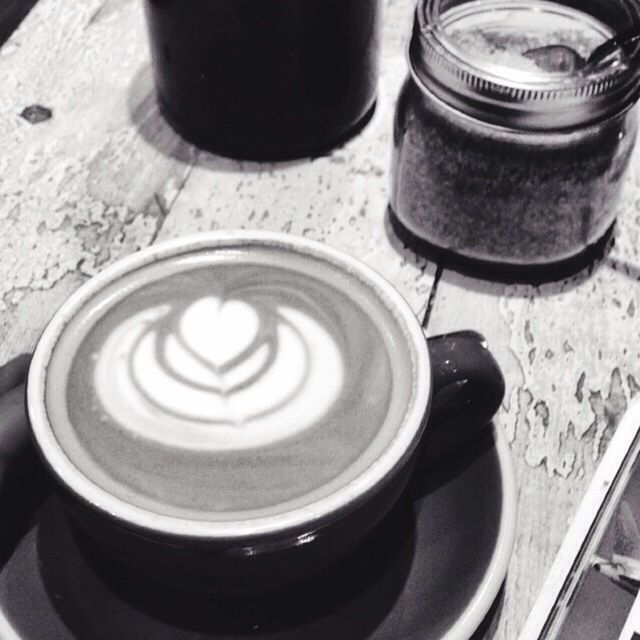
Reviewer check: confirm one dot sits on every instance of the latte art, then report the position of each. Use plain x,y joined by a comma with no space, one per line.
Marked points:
229,385
219,374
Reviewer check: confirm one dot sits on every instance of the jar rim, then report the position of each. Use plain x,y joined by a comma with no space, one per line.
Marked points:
507,96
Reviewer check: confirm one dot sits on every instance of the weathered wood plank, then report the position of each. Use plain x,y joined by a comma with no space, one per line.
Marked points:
98,179
571,354
83,187
340,199
106,176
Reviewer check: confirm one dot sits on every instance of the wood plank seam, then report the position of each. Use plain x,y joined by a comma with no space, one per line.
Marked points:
165,207
432,294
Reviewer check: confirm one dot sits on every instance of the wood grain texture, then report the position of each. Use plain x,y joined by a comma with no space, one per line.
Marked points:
570,351
99,179
105,176
83,188
340,198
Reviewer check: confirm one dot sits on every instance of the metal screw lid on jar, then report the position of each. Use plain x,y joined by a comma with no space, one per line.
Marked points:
468,53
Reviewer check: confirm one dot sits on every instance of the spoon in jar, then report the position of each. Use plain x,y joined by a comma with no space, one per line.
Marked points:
562,58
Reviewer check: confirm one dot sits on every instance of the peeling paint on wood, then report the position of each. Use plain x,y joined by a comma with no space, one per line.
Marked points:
106,176
571,355
340,199
96,181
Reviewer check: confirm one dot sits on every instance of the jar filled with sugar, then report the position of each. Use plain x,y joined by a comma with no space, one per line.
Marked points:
500,154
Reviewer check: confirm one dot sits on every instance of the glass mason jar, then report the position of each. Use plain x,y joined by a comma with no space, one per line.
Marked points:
497,159
265,79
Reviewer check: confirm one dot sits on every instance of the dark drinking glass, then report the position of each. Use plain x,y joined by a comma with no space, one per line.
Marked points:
265,79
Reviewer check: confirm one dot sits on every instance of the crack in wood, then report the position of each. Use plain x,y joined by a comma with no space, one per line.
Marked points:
165,207
432,294
95,15
579,393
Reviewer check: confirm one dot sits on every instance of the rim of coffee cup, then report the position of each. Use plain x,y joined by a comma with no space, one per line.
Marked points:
353,493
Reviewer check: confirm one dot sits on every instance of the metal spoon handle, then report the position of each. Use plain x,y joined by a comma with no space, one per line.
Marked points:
627,41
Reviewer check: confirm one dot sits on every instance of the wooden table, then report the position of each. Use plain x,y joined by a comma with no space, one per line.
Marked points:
105,176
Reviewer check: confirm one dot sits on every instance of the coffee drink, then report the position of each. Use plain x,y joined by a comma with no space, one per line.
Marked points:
229,383
234,411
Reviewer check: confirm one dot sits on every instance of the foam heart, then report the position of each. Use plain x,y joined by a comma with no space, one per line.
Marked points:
219,331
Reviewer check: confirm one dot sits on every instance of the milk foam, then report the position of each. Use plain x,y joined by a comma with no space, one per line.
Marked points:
229,384
220,374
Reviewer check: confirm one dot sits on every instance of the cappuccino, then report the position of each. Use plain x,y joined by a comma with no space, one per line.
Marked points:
230,383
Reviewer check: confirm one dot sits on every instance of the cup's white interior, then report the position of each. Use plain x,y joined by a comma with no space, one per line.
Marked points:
390,461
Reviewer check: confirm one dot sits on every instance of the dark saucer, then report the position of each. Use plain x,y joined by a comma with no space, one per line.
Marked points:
430,571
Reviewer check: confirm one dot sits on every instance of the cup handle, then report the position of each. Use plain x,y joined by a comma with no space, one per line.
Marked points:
468,388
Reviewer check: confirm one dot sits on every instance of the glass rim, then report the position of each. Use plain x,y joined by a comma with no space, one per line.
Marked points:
345,499
505,96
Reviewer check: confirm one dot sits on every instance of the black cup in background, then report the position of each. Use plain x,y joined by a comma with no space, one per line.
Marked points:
458,388
265,79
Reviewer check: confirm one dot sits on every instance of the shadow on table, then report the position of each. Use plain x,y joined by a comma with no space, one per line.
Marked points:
80,593
412,577
12,13
146,116
490,278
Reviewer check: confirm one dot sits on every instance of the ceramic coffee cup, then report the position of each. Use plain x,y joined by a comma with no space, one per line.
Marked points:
234,411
